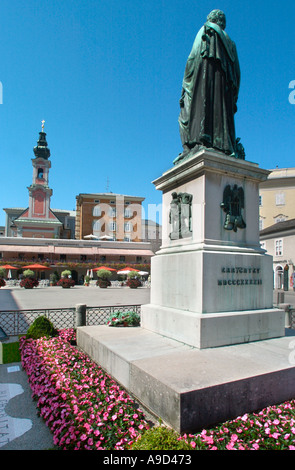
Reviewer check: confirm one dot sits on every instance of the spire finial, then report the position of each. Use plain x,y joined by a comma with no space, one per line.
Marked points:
43,122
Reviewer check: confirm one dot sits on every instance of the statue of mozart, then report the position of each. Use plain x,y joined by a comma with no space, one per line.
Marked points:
210,89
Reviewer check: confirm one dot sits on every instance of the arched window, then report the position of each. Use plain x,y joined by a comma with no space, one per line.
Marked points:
40,173
279,277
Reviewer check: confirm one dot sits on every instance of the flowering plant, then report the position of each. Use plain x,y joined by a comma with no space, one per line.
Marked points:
82,405
124,319
29,283
103,283
133,283
103,278
272,428
66,283
133,280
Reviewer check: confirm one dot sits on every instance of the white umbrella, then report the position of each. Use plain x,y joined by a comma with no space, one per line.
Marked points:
123,272
94,237
143,273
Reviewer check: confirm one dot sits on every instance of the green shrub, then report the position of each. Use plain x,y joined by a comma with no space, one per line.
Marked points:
41,327
160,438
54,278
2,273
104,274
28,273
66,273
124,318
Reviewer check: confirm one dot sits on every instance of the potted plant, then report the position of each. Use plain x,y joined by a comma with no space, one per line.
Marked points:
103,278
86,280
66,281
28,281
53,279
133,280
2,276
124,319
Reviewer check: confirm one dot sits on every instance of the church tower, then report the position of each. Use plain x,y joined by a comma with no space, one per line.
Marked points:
38,221
39,191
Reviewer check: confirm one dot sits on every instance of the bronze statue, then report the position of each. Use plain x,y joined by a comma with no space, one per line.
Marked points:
210,91
180,216
233,205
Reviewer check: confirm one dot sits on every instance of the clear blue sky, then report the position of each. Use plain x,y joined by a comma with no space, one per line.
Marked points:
106,77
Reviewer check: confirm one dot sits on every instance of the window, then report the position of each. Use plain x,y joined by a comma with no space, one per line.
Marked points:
112,212
112,226
127,213
127,227
280,218
127,239
279,247
122,259
83,258
139,259
280,199
40,173
96,211
260,224
96,228
63,257
260,200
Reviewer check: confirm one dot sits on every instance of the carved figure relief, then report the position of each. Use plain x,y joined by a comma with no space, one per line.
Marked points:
180,216
233,206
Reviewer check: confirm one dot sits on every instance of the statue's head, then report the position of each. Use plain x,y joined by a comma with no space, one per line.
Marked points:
218,17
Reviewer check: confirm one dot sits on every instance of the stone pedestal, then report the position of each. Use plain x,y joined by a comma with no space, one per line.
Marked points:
212,284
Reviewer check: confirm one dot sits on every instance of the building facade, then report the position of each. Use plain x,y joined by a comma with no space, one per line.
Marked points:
276,197
67,219
108,216
279,242
152,232
38,220
76,255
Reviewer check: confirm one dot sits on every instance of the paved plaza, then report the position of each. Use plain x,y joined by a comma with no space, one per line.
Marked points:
17,298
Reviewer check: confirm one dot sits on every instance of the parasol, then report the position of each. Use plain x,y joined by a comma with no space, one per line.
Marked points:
104,267
127,270
7,266
36,266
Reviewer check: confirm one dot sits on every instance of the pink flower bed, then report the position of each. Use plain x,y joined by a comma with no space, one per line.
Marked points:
83,406
272,428
86,409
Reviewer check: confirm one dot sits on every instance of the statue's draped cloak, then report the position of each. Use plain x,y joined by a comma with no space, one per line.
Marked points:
210,91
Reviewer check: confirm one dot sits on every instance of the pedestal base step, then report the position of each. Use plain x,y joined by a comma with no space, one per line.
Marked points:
190,388
209,330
